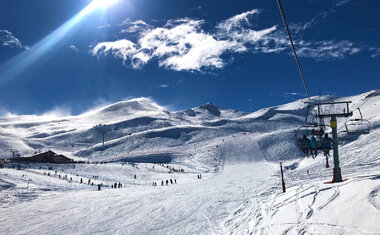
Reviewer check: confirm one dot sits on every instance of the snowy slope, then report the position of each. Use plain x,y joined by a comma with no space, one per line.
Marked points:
237,154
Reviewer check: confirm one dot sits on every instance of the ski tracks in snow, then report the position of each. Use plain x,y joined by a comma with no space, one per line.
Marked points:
257,217
374,198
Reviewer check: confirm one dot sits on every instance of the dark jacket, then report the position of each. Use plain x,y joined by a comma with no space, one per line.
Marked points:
304,143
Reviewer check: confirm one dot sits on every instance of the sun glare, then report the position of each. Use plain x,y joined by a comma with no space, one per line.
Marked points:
21,62
103,3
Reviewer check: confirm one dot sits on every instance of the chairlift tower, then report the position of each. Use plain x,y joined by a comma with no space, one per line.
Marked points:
342,111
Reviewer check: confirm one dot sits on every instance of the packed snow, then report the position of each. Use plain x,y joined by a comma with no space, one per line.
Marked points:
219,169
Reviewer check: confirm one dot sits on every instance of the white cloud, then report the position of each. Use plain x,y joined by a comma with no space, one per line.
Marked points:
163,85
74,48
134,26
293,94
7,39
183,45
198,8
326,49
342,2
375,51
124,49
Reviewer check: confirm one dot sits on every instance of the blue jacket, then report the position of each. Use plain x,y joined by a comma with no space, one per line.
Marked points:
313,143
326,143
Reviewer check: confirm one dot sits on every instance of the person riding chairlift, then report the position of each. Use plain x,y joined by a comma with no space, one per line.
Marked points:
313,147
326,144
304,145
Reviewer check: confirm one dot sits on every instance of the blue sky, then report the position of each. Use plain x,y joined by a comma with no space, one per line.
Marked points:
183,53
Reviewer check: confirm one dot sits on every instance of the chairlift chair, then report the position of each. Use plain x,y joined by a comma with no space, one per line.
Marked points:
357,126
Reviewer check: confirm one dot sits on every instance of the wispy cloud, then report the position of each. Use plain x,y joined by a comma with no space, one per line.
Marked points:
163,85
129,26
333,9
198,8
342,2
293,94
74,48
289,95
7,39
375,51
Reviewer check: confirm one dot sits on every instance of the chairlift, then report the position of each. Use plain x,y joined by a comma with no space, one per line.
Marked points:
357,126
317,130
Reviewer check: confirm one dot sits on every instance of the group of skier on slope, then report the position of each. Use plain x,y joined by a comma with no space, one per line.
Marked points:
319,140
167,182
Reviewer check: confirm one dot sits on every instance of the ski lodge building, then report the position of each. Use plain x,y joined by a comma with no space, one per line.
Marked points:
46,157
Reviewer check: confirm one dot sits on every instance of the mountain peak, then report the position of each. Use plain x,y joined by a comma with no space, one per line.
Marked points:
211,108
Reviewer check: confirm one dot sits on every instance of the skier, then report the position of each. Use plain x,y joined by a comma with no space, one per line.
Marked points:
167,182
304,145
175,181
171,181
115,185
313,146
320,133
81,180
162,183
89,181
326,144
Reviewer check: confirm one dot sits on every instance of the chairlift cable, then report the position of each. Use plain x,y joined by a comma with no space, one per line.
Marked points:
294,49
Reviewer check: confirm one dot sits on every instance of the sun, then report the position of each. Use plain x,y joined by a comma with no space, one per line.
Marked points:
103,3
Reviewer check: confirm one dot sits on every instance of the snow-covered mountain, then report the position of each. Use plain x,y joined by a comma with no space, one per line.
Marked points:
139,127
236,153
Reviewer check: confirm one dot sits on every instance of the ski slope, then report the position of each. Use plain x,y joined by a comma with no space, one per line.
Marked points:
236,153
